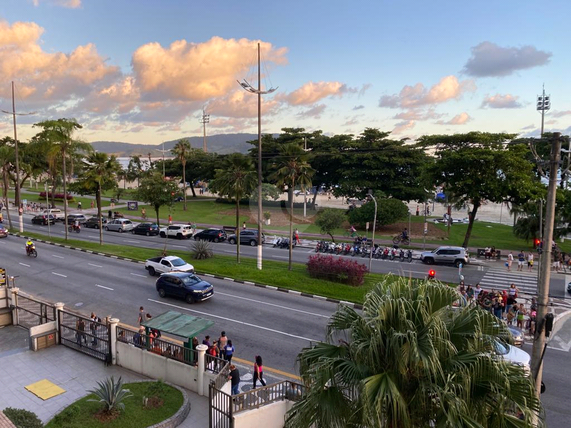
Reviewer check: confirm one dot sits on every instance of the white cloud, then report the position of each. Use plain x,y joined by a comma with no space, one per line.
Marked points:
459,119
417,114
501,101
71,4
447,89
315,112
560,113
359,107
312,92
403,126
490,60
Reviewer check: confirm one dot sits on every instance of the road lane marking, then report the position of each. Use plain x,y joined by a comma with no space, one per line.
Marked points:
129,240
91,264
235,321
59,257
272,304
178,246
92,237
281,257
59,274
136,274
102,286
24,264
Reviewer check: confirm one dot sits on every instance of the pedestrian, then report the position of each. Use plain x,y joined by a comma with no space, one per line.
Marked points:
477,291
229,351
510,261
417,210
214,352
206,341
244,226
79,205
93,327
92,204
143,213
296,235
513,292
258,371
520,260
222,342
521,312
194,353
529,261
80,333
141,318
110,215
234,377
170,219
470,293
512,314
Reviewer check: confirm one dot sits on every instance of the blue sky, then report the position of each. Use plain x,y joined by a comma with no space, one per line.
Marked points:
141,71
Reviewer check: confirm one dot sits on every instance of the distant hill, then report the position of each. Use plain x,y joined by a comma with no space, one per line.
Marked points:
221,144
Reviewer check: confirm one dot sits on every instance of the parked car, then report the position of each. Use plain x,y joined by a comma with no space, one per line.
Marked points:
93,222
158,265
3,232
146,229
247,237
179,231
452,255
71,218
513,355
187,286
119,225
44,219
216,235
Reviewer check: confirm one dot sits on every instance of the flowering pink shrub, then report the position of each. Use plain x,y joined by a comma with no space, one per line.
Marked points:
336,269
56,196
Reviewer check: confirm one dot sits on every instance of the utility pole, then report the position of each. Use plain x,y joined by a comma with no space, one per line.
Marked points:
259,92
543,104
302,187
545,275
370,195
204,120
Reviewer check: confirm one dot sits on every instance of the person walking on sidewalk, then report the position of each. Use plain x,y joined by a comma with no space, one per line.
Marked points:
234,377
222,342
296,237
229,351
93,327
144,213
258,371
529,261
510,261
170,219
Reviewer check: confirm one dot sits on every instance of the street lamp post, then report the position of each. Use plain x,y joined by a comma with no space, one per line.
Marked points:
543,104
374,223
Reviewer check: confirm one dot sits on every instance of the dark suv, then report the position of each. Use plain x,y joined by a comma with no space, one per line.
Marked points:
247,237
185,285
216,235
145,229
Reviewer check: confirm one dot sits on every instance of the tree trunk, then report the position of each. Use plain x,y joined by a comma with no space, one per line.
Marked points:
98,200
238,229
472,217
64,195
184,182
312,204
193,192
290,229
157,213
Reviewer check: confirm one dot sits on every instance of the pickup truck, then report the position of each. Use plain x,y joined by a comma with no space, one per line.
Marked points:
159,265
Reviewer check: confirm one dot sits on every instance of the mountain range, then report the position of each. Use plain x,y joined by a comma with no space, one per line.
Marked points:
221,144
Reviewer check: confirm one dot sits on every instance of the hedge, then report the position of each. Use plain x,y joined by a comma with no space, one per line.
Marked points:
336,269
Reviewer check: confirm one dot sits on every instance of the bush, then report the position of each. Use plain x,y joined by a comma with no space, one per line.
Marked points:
68,415
111,394
202,250
337,269
23,418
58,196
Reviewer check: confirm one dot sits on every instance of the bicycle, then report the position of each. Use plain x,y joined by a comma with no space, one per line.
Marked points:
350,234
399,239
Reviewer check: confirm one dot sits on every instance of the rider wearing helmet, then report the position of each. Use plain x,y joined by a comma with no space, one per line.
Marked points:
29,245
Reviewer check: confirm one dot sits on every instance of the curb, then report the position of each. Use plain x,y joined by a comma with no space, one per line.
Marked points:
559,321
239,281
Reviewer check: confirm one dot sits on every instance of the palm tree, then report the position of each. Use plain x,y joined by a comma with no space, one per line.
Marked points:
59,132
236,179
100,173
410,359
181,150
292,169
6,159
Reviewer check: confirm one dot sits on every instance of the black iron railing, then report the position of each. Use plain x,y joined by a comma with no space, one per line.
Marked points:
254,398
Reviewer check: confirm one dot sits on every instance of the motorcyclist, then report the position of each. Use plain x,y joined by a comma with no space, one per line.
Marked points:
29,245
405,234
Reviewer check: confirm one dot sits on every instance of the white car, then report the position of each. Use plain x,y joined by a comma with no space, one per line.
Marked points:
180,231
513,355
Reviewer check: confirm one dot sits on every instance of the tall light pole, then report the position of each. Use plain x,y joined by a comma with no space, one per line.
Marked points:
163,151
204,120
370,195
244,84
543,104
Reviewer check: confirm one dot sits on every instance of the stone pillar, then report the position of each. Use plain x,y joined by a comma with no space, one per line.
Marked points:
201,349
14,304
59,307
113,339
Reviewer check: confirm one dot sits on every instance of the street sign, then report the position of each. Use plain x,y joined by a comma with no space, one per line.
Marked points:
133,206
2,276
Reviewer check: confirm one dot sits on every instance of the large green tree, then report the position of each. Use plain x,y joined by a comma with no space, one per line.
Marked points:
408,359
236,178
330,219
292,169
389,210
181,150
478,167
156,191
99,173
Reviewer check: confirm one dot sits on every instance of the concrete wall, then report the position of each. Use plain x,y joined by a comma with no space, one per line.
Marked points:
43,328
3,294
158,367
268,416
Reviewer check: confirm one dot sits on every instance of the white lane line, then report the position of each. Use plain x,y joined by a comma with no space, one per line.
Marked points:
59,257
281,257
234,321
92,237
24,264
59,274
136,274
272,304
102,286
178,246
129,240
91,264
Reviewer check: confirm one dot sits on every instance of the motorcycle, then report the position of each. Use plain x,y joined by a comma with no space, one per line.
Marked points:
409,255
317,247
74,228
31,251
401,255
385,254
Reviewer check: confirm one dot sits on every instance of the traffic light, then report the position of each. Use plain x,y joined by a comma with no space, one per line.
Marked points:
536,243
431,274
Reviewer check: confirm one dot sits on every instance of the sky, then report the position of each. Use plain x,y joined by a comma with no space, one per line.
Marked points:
142,71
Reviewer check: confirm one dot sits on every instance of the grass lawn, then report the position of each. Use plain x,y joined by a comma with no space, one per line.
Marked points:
85,202
81,413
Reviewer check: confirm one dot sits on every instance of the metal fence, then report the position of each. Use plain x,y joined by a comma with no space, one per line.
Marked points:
159,346
254,398
220,408
214,364
33,312
84,335
222,377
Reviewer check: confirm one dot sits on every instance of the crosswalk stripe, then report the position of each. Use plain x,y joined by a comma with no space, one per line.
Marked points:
501,279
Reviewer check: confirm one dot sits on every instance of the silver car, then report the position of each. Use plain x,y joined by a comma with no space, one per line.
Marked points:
119,225
451,255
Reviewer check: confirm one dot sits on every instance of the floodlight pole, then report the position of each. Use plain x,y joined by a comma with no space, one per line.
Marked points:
204,120
543,104
259,92
374,223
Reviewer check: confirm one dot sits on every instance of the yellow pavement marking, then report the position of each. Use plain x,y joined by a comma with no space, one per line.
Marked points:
240,360
45,389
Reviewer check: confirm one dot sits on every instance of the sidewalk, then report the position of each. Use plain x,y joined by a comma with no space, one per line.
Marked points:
70,370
